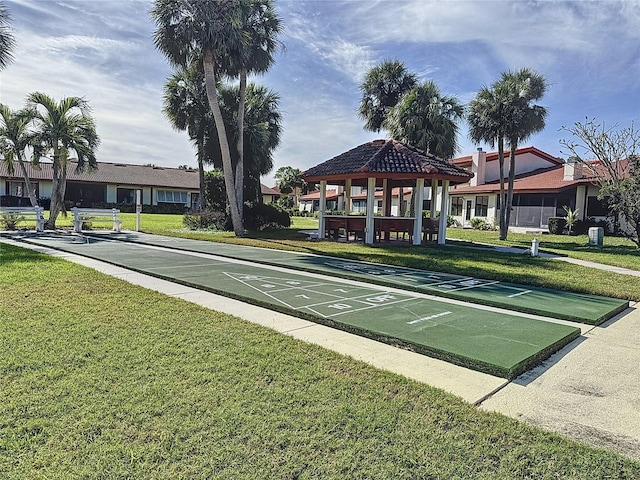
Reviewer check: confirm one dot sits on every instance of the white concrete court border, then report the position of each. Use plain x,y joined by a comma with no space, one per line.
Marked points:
589,391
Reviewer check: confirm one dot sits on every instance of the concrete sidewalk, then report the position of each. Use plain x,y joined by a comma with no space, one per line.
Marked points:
589,391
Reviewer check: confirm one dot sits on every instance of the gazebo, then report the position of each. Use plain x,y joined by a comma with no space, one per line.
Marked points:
386,164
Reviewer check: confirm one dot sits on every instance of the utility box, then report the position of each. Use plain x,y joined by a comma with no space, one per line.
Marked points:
596,236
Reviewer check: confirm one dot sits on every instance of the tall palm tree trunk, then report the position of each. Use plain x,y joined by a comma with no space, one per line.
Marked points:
512,173
202,202
240,144
227,167
503,206
57,193
30,192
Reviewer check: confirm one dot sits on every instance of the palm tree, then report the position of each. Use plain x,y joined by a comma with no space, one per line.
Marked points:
186,106
262,131
226,35
7,41
525,118
261,26
487,123
210,31
427,119
381,90
59,129
15,138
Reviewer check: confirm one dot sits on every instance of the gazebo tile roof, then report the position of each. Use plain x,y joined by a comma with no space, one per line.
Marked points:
386,156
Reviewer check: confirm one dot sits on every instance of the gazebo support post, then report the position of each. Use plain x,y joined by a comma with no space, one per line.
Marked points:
347,196
321,208
371,201
444,209
418,195
434,198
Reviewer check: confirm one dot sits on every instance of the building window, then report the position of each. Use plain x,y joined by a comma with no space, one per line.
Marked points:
172,196
19,189
482,204
125,195
426,205
456,206
596,207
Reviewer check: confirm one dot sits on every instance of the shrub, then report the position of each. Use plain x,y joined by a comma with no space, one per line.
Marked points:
211,219
480,224
259,217
557,224
10,222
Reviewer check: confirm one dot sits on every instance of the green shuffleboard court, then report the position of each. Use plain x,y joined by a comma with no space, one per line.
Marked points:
497,343
590,309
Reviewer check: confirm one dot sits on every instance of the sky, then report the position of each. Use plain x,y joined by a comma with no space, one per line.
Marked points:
102,50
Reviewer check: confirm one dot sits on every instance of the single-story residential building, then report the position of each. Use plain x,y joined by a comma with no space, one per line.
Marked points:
543,186
311,202
110,183
269,195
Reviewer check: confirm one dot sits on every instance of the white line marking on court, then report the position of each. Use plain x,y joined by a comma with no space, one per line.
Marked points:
474,286
430,317
518,294
369,306
264,293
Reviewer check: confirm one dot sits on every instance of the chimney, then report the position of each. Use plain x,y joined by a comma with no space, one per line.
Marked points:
478,163
572,169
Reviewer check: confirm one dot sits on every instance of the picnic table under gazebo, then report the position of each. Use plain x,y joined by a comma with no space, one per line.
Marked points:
386,164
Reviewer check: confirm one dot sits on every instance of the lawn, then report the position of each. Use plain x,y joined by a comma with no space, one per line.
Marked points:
102,379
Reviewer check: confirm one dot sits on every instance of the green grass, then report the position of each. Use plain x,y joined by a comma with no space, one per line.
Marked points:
101,379
616,251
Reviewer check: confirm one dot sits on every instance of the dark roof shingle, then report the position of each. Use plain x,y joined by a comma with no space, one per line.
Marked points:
385,156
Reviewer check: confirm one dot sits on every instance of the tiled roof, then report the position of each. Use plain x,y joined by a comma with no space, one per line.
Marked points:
385,157
115,174
331,194
541,180
379,193
492,156
264,190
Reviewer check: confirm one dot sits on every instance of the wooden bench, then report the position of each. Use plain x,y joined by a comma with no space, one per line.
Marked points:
397,225
430,227
92,215
19,214
332,226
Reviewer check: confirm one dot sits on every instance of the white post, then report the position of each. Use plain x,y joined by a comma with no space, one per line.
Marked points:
322,208
371,201
77,224
434,198
417,207
138,209
347,195
535,243
444,212
385,198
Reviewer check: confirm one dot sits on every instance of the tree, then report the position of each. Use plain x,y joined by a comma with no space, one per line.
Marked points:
504,112
59,129
611,156
262,131
426,119
15,138
186,107
289,180
382,89
524,117
260,26
487,123
220,34
7,41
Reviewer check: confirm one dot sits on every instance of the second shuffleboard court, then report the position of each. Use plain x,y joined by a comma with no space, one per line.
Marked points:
590,309
500,344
